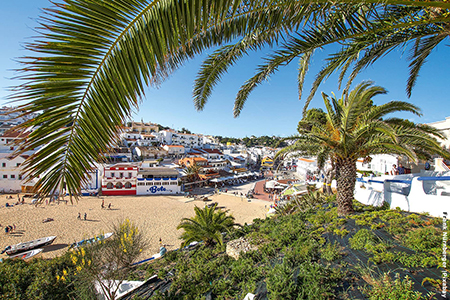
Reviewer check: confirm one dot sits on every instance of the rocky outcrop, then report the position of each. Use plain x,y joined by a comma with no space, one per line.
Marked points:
235,247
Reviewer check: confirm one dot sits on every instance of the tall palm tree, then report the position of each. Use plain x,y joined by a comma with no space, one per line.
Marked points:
92,60
355,129
207,225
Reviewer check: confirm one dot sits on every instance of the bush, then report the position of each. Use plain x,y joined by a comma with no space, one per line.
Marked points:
386,288
37,279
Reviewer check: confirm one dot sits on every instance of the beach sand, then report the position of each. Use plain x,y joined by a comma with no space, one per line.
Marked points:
156,216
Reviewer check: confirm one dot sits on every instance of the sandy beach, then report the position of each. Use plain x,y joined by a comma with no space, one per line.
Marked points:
156,216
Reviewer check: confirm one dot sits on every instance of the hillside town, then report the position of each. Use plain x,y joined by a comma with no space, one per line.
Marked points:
153,160
146,161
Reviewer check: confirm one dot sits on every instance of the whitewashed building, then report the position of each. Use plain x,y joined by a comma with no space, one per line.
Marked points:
158,181
10,174
174,149
380,163
444,128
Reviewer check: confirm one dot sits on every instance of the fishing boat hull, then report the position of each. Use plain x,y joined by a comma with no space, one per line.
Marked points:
27,254
91,241
22,247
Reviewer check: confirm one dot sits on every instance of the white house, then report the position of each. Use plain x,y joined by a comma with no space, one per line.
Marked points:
158,181
444,128
380,163
148,140
174,149
10,174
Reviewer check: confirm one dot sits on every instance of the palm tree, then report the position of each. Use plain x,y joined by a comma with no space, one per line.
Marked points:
92,60
355,129
191,172
207,225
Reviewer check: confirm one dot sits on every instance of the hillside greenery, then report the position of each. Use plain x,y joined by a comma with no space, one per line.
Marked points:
267,141
305,251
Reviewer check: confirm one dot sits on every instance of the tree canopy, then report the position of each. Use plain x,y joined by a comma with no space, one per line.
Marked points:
355,129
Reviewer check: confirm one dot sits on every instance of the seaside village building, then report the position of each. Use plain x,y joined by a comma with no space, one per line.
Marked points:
131,179
444,128
120,179
10,174
174,150
158,181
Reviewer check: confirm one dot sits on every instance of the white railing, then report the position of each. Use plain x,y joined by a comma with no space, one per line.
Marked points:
410,192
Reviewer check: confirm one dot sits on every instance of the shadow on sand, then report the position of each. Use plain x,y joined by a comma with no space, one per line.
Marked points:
17,233
90,220
54,247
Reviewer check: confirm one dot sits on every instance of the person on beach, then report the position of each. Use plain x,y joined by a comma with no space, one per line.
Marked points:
394,170
109,206
85,216
103,203
79,216
400,169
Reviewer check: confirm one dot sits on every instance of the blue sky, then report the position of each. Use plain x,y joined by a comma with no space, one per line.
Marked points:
272,109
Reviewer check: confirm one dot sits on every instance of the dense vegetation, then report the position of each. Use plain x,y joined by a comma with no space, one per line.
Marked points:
304,252
268,141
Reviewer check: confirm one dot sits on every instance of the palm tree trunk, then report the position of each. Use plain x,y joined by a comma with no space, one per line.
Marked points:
345,185
328,179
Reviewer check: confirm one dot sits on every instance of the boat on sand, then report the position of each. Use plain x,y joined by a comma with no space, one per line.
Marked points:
85,242
121,287
27,254
22,247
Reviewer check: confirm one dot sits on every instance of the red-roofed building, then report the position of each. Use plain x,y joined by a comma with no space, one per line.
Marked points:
9,138
189,161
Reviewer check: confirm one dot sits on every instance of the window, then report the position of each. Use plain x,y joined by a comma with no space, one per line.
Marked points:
18,165
20,177
121,175
119,185
5,176
127,185
157,183
149,183
3,165
109,185
13,176
112,174
129,174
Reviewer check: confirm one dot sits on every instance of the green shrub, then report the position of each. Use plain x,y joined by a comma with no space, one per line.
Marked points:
386,288
331,251
423,260
308,281
37,279
423,239
363,239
